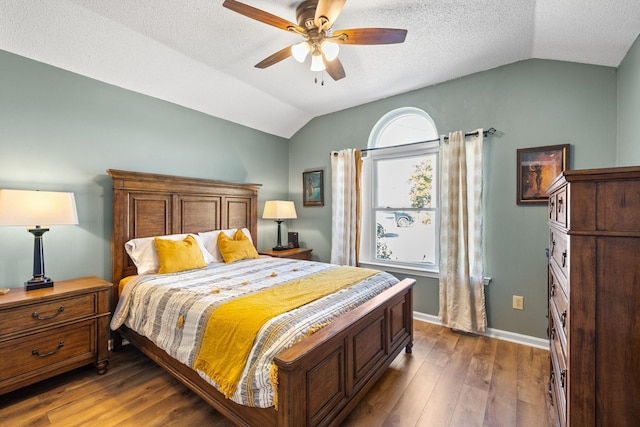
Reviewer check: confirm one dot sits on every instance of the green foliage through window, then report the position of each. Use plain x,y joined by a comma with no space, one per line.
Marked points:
421,185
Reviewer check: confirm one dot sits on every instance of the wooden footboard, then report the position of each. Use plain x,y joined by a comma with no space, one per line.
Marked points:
323,377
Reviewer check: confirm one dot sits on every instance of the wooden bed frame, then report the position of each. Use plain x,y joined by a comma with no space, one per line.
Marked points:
321,378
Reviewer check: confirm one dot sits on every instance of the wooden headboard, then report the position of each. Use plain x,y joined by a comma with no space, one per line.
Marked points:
146,204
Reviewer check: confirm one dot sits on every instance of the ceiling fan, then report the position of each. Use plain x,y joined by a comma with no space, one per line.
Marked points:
315,23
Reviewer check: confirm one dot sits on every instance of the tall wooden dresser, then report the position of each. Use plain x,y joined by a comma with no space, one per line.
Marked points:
594,297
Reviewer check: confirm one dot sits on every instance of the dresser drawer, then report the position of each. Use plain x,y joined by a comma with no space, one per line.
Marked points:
552,207
559,381
47,313
558,250
561,206
557,281
558,312
47,350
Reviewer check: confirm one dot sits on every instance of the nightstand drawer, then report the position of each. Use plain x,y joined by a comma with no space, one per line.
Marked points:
51,349
47,313
294,253
301,255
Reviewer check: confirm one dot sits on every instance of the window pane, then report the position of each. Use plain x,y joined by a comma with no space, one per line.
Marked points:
406,236
405,129
408,182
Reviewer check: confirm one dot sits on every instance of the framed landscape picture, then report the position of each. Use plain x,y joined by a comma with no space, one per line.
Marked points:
536,168
313,188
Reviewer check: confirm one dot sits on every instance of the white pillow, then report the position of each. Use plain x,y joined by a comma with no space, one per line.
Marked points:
143,252
210,240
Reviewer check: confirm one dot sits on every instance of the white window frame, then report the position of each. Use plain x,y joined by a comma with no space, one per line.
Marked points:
368,242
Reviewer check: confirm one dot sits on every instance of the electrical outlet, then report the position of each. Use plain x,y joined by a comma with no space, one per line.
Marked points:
518,302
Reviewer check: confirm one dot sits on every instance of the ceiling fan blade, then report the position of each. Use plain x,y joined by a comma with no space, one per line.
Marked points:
260,15
334,68
275,58
371,35
327,11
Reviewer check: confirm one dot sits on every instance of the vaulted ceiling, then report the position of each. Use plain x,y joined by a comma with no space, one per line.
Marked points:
200,55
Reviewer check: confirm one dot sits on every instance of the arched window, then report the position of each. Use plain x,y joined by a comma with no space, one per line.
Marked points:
400,197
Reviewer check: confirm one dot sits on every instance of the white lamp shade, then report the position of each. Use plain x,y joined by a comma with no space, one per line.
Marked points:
299,51
330,50
317,64
27,207
279,209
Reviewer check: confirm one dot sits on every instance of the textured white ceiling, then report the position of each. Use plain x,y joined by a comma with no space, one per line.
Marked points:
200,55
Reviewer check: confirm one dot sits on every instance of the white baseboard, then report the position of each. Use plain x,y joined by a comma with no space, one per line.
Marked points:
493,333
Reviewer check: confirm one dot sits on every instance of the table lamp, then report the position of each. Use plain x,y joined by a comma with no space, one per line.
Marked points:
279,210
37,209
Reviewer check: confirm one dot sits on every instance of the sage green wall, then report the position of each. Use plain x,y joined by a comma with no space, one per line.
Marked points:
629,108
60,131
532,103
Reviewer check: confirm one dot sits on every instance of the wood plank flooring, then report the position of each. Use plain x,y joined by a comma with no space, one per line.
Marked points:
450,380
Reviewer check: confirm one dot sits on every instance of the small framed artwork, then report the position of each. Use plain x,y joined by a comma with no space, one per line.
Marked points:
537,168
313,188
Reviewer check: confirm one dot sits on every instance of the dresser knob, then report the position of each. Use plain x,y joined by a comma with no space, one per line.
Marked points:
37,316
564,259
36,352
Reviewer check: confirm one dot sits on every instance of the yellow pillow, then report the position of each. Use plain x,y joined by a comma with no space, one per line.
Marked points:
236,249
178,255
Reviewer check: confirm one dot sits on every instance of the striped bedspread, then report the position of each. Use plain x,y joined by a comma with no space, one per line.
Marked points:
172,310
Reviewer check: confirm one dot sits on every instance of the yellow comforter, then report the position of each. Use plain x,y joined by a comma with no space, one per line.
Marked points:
233,326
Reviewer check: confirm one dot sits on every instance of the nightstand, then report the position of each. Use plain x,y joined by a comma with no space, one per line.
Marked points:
295,253
50,331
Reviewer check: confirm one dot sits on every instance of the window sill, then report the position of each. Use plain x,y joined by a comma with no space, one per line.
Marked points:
402,269
434,274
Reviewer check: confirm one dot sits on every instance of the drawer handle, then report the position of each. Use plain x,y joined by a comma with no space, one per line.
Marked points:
563,317
553,244
37,316
551,208
564,259
560,204
553,289
553,333
563,376
36,352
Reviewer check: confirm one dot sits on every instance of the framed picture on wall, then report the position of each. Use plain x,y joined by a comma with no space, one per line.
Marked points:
313,188
536,168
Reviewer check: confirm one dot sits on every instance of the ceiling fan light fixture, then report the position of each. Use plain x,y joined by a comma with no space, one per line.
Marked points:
330,50
317,64
299,51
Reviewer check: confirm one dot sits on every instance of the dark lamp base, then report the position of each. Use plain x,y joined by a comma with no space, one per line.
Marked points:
38,283
280,248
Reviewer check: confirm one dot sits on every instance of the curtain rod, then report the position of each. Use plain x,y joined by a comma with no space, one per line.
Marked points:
485,133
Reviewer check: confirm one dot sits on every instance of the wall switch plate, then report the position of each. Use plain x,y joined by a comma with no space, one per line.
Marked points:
518,302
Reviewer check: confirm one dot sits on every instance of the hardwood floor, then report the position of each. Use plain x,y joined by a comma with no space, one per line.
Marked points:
450,380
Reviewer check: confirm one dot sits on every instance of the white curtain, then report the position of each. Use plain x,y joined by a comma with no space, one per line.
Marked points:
346,170
462,304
